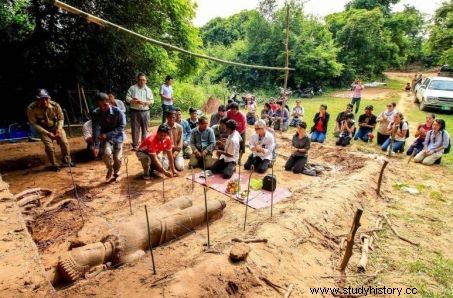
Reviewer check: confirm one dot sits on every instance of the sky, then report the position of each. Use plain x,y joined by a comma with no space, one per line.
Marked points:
209,9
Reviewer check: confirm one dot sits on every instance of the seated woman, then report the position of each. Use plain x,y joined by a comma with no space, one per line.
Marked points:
251,109
228,158
266,113
347,130
437,142
298,114
420,135
321,120
280,116
398,132
262,145
301,145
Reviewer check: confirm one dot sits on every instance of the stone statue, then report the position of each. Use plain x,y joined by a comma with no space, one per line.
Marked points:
130,238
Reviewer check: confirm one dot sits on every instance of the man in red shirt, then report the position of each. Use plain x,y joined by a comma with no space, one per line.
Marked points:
150,147
241,121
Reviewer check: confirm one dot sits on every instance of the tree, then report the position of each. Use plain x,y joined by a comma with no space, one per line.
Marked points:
383,5
366,47
59,49
440,43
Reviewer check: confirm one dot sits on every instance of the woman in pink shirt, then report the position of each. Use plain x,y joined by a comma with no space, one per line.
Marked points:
356,88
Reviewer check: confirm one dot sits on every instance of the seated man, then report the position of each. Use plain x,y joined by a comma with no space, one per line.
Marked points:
216,117
220,133
187,151
150,147
280,114
347,130
202,142
261,144
87,132
177,142
298,114
367,122
229,157
193,119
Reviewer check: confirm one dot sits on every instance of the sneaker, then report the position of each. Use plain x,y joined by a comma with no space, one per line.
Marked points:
109,174
146,177
55,168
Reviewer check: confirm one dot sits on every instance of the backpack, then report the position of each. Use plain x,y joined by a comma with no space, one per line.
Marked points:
446,150
269,182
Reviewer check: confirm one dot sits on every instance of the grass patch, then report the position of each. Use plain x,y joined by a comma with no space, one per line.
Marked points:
436,195
434,277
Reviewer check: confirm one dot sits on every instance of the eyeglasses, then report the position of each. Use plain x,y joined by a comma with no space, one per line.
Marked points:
389,106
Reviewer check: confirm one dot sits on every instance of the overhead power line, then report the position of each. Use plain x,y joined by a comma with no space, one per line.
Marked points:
104,23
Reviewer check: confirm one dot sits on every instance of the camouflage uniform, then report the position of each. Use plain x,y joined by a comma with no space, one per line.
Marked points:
48,120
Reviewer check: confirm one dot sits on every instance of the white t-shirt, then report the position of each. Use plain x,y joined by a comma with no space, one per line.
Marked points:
298,111
251,107
267,142
232,147
167,91
399,130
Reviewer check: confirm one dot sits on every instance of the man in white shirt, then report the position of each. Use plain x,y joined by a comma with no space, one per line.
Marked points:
228,158
261,144
140,98
166,94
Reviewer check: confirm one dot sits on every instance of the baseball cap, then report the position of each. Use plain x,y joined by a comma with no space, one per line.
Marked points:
42,93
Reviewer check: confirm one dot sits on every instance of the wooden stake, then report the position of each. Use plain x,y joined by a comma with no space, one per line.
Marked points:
350,239
272,186
288,292
248,193
126,162
285,86
149,240
378,190
206,201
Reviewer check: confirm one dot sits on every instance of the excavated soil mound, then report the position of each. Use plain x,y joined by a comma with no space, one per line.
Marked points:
56,226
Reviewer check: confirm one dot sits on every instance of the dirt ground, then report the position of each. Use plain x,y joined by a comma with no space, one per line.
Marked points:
304,234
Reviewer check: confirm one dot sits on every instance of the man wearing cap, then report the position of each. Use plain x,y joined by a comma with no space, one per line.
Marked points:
140,98
241,124
47,118
219,115
202,142
109,123
150,148
229,156
193,119
367,122
166,94
261,144
176,136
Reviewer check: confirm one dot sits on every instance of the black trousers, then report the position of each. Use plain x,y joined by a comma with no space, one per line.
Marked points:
343,141
260,165
381,138
226,168
296,164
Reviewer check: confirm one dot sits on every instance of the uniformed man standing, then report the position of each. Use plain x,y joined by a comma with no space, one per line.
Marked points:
140,97
47,117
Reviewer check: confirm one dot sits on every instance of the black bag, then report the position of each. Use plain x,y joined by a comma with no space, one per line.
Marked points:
446,150
269,182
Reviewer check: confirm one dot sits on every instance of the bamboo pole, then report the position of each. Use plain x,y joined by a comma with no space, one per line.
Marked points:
285,84
104,23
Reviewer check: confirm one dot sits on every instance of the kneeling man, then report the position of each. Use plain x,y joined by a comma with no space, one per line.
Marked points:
261,144
228,158
149,149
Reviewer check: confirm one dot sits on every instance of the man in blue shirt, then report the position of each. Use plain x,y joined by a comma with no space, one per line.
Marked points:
187,151
108,131
202,142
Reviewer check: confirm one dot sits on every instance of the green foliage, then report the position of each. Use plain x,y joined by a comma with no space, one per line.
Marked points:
15,22
383,5
440,43
440,270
